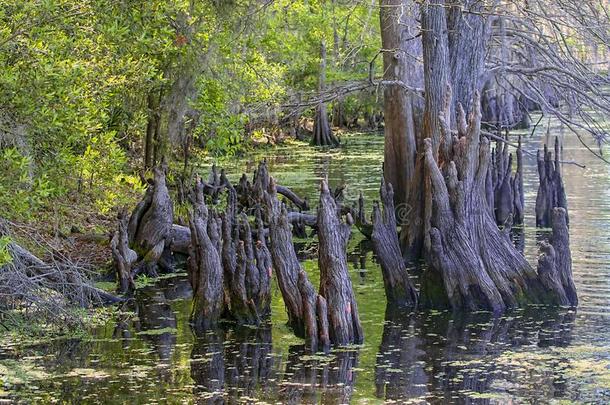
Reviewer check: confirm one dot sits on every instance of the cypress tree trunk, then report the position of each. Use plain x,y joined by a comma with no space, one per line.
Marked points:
322,134
150,225
400,109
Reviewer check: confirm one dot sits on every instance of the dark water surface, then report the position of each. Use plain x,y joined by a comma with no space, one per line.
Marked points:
534,355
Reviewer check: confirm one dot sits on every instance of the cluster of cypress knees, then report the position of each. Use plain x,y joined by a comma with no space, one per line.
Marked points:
233,251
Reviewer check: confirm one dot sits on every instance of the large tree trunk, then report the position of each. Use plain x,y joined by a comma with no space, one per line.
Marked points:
476,262
150,225
398,39
468,33
435,126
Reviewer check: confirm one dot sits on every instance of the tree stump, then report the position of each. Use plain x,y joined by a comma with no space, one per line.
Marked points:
150,225
551,192
555,263
398,288
285,261
335,283
204,266
123,257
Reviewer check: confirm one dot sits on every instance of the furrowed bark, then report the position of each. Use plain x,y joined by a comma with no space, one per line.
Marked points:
551,192
123,257
285,262
477,263
398,288
555,262
204,267
335,283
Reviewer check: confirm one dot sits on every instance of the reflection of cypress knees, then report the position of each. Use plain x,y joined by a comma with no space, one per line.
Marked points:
474,262
551,192
335,284
555,262
398,288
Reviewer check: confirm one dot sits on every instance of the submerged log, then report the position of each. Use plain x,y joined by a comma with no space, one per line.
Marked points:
398,288
551,192
204,267
473,264
335,283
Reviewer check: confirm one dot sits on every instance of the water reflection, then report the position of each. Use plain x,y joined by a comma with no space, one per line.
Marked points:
239,365
318,379
441,357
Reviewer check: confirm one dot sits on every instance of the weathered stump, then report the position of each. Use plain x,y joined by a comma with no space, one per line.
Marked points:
123,257
551,192
285,261
555,263
398,288
204,267
335,283
150,225
504,190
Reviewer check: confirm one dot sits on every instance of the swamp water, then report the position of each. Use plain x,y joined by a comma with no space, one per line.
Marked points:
534,355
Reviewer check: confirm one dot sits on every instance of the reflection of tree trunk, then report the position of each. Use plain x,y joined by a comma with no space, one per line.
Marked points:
399,373
208,367
249,363
155,313
305,379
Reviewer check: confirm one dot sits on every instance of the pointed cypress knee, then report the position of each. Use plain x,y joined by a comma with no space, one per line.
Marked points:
335,283
398,287
204,267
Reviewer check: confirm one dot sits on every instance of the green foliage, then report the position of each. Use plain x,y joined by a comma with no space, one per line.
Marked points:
5,256
75,80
